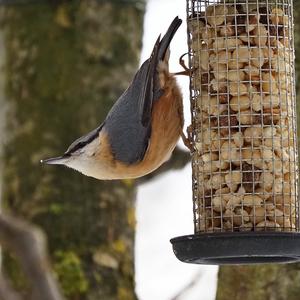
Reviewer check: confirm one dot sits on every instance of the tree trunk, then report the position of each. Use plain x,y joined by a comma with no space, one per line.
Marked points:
66,64
272,282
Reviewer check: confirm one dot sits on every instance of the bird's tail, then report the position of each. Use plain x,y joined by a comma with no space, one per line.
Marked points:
167,38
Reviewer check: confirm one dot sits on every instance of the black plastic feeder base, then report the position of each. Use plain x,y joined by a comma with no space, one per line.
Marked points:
238,248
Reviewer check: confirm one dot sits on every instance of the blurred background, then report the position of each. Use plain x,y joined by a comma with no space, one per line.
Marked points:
62,66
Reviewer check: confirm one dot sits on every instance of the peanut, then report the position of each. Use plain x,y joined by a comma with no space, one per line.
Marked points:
235,75
271,101
240,217
207,35
252,200
246,226
216,14
251,71
245,117
277,216
227,30
251,22
238,139
218,85
230,153
242,54
257,57
257,102
222,191
219,71
231,13
216,182
209,157
277,16
204,59
233,201
260,35
253,135
238,103
232,42
221,164
236,89
267,154
266,181
269,83
218,203
265,225
263,194
233,179
257,214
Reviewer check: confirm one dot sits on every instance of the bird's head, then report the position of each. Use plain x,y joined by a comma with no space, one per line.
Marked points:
81,155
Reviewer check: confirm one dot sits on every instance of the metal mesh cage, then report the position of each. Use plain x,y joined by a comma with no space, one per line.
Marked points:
242,88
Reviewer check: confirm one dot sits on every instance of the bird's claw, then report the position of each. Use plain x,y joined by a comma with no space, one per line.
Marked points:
187,71
188,140
182,63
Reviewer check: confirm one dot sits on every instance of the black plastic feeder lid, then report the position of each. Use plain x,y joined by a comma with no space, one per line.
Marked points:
238,248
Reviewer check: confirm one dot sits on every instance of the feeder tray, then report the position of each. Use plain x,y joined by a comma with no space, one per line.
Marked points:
245,163
242,248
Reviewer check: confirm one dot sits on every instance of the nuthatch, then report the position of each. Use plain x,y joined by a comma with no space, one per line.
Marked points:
142,128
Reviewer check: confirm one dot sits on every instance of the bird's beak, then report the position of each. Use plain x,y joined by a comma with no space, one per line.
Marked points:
61,160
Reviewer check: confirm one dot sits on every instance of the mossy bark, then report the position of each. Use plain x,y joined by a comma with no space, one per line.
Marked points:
66,63
272,282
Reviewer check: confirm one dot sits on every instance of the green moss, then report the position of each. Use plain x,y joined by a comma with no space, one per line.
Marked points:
56,208
20,282
278,282
69,271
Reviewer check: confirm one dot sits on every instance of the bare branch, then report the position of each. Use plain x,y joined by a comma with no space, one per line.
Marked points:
29,245
188,287
6,291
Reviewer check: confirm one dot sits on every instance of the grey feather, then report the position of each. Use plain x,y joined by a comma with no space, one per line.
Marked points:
167,38
129,123
127,135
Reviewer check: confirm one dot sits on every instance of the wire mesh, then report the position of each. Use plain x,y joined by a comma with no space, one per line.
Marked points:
242,88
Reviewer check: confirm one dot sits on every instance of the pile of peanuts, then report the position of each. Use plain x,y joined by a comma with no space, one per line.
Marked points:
244,118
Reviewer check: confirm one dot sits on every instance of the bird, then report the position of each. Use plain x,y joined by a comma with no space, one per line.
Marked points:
142,128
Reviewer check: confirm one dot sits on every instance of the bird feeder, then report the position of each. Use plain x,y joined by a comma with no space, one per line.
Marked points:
245,163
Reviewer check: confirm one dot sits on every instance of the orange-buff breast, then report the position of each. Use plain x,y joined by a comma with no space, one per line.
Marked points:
166,127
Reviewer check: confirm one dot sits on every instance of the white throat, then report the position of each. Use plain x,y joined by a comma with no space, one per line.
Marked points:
85,162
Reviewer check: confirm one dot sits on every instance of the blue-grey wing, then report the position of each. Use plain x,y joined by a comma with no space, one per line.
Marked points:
128,124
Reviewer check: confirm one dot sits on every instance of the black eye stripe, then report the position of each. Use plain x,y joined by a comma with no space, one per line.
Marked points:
84,140
76,147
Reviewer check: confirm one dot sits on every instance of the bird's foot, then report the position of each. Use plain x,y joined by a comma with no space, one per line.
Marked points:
182,62
187,71
188,140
